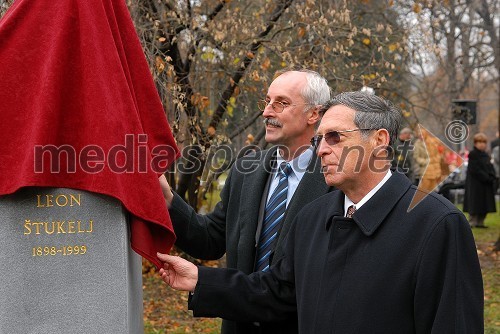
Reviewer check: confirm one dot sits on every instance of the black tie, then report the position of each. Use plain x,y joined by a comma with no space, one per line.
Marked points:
273,218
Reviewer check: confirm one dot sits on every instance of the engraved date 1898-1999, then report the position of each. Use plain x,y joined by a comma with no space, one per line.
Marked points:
63,250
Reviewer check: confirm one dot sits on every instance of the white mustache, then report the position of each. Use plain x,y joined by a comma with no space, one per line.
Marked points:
272,121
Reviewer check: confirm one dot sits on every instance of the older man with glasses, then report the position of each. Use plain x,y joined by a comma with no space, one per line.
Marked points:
263,192
356,260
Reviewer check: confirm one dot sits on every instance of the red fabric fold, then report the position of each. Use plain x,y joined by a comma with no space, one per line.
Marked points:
73,77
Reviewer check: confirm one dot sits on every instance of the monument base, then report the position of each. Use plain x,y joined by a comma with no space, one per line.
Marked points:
66,265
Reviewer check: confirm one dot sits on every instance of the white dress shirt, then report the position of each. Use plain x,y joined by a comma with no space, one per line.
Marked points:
299,168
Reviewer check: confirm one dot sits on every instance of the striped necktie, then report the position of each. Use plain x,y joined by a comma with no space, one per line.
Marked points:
273,218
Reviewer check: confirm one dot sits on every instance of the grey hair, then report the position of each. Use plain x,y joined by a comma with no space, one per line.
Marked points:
316,91
371,112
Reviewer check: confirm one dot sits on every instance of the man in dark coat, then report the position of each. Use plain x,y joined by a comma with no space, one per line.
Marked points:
480,183
356,260
234,227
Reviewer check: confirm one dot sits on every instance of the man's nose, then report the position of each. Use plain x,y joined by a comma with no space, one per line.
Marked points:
323,148
268,111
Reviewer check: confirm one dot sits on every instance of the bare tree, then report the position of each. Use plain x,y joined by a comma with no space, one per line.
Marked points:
454,48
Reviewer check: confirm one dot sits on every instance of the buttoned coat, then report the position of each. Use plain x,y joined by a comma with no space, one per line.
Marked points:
234,225
386,270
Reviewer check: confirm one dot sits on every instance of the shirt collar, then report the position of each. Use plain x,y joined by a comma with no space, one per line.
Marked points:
299,164
348,202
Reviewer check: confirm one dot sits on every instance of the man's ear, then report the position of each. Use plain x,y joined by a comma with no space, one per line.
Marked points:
314,117
381,138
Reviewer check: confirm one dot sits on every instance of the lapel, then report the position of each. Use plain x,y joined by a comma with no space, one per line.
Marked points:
253,190
373,213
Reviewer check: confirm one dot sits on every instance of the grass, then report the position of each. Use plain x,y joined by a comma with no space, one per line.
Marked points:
485,241
165,310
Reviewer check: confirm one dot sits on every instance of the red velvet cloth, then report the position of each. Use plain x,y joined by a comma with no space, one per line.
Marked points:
73,74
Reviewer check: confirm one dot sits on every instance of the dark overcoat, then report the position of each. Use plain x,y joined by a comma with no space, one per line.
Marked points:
234,225
386,270
480,184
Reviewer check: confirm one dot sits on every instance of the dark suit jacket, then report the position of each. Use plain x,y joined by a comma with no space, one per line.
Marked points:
233,227
385,270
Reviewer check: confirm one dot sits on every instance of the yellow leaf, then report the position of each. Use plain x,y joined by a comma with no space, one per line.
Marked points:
230,110
283,64
207,56
393,47
236,61
366,41
232,101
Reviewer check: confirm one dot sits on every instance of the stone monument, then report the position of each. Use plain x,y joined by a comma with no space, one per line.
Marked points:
66,264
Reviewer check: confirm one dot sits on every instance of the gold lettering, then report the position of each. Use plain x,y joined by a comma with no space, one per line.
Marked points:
74,199
60,200
63,203
60,228
39,204
27,227
57,227
71,226
37,226
79,224
47,229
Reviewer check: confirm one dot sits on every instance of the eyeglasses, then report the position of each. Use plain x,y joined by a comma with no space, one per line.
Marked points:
332,137
277,106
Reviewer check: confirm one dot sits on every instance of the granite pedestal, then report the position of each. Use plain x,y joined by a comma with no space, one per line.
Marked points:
66,265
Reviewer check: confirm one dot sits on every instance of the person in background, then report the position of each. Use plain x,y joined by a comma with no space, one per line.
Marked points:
420,158
250,224
432,174
356,260
402,161
495,160
495,142
480,183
